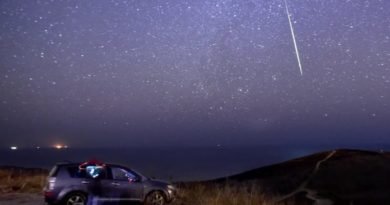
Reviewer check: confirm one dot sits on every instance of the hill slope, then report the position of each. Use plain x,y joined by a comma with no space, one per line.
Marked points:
334,177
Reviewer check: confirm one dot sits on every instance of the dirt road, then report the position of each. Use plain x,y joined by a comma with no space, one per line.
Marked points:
311,194
21,199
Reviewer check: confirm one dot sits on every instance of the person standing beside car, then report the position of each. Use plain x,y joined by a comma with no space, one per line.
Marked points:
95,171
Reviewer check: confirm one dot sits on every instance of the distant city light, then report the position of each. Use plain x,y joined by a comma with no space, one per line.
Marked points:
14,148
60,146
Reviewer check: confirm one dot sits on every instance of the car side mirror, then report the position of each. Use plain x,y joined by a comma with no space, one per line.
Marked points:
135,179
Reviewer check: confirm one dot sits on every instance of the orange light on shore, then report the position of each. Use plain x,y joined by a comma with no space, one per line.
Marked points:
60,146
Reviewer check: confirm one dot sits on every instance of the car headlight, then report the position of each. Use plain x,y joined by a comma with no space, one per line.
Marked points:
171,187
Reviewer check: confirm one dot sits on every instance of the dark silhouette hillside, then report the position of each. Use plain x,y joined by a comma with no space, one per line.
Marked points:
335,177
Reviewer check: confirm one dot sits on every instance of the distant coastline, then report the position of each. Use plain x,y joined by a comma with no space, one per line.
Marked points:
172,163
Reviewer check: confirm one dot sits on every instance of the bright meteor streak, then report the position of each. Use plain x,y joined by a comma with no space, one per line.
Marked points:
293,37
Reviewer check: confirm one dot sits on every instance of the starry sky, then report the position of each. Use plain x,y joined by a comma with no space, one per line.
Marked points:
184,72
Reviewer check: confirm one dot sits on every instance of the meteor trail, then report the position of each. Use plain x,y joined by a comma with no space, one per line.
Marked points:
293,37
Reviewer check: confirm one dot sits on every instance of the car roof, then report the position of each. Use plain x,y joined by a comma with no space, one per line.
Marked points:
78,163
69,164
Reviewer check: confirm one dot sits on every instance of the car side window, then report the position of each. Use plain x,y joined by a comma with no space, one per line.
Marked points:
96,172
75,172
90,172
122,174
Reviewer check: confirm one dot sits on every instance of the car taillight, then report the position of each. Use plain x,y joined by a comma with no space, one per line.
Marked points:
48,194
51,183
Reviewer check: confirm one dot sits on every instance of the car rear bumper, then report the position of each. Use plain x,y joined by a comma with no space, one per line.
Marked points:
50,197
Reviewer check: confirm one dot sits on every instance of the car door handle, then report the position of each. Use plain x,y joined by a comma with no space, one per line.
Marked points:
115,183
85,182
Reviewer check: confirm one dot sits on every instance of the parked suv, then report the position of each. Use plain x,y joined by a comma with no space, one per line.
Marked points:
68,184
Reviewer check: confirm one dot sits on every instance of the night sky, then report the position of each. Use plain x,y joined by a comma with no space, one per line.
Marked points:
186,72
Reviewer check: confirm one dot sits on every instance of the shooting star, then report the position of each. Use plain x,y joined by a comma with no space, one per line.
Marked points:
293,37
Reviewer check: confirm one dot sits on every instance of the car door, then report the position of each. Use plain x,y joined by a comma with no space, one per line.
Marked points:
125,185
83,181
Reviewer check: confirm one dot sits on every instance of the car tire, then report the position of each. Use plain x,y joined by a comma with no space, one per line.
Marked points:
155,198
76,198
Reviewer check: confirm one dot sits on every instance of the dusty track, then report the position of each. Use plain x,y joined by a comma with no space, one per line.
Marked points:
311,194
21,199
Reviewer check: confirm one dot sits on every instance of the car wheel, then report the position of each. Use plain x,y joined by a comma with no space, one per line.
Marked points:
75,199
155,198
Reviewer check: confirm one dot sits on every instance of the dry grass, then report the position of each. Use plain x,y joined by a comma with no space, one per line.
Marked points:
18,180
22,181
25,181
221,194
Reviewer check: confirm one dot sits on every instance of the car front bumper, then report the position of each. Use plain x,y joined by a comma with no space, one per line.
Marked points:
171,194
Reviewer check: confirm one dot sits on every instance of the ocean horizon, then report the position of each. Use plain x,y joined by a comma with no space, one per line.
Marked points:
169,163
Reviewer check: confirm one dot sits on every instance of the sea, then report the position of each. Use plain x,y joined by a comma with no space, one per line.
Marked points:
171,163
